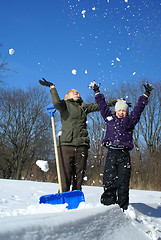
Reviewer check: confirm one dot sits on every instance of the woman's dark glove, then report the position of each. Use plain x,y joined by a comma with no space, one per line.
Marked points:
45,83
148,88
94,87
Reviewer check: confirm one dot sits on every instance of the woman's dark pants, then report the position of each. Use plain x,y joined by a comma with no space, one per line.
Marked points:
73,161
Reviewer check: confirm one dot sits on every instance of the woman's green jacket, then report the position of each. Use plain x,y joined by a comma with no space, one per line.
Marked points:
73,115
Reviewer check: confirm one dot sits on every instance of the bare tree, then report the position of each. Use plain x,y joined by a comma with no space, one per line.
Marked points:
3,66
24,130
151,121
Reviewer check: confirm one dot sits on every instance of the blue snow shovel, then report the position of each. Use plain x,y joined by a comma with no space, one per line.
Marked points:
72,198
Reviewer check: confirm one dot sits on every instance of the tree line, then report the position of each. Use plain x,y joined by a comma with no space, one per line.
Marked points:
26,136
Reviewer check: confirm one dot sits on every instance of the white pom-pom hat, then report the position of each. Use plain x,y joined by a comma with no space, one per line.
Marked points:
121,105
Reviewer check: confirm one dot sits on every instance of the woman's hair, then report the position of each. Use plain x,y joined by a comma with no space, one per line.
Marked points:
67,95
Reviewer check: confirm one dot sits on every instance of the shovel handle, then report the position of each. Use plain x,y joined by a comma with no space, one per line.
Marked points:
56,154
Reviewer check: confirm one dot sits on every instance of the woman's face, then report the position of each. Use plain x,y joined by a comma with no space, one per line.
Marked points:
74,94
121,113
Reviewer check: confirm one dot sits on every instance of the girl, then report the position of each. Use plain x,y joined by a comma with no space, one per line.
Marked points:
118,140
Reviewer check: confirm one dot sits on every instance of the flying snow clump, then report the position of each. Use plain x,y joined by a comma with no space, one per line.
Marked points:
83,13
43,165
74,72
11,51
118,59
59,133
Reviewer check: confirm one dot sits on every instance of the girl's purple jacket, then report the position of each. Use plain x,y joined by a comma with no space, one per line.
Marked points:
119,131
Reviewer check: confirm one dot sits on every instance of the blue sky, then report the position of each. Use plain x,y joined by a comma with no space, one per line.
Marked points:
112,41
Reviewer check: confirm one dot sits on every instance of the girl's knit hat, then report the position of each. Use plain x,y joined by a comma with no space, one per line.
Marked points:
121,104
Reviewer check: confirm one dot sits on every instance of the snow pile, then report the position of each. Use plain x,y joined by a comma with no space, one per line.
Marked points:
22,217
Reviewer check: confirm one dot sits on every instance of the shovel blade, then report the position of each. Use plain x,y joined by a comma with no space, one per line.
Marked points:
72,198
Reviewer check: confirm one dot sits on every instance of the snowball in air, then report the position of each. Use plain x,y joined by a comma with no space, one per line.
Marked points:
85,71
83,12
59,133
74,72
43,165
11,51
118,59
134,73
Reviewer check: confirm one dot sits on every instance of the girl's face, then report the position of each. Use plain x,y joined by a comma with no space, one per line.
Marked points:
121,113
74,94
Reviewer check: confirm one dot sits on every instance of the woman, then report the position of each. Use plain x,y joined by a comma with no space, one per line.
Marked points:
74,140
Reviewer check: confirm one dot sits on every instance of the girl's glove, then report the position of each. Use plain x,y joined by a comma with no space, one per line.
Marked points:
46,83
94,87
148,88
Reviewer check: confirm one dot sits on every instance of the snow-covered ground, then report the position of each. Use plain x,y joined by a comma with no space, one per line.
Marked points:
22,217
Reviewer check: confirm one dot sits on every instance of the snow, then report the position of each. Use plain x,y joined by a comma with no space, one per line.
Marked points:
118,59
59,133
74,71
22,217
109,118
43,165
11,51
83,13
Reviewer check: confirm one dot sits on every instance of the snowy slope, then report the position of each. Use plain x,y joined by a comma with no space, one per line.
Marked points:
22,217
